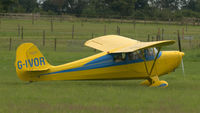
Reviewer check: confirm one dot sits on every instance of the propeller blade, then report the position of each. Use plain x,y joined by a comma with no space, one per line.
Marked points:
183,70
180,49
179,42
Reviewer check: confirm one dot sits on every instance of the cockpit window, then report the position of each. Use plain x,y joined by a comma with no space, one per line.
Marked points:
155,51
119,57
135,55
150,52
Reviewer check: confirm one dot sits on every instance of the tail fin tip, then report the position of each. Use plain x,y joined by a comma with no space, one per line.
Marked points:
29,58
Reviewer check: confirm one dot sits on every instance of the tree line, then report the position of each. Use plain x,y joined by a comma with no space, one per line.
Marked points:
141,9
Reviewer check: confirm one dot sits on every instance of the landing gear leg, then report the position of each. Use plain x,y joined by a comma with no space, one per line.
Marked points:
158,83
154,81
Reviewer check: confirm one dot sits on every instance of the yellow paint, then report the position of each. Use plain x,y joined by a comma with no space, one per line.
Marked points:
168,61
120,44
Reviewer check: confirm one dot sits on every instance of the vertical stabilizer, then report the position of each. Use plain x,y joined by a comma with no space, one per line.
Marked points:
29,61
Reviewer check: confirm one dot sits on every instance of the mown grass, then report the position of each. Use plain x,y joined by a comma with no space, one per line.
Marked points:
181,96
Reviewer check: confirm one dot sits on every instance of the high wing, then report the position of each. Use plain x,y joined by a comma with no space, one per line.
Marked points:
120,44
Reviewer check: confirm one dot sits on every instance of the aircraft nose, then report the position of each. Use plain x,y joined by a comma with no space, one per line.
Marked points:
179,55
182,53
170,60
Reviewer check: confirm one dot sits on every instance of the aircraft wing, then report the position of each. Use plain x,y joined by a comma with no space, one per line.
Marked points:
143,45
110,42
120,44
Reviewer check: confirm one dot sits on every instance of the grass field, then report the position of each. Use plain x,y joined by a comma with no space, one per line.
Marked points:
181,96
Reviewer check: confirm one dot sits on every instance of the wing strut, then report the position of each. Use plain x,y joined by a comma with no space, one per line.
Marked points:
155,61
145,62
149,73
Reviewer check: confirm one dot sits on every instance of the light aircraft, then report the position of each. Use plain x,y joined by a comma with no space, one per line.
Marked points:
121,58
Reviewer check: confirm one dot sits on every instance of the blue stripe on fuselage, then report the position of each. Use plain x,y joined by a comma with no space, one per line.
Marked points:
101,62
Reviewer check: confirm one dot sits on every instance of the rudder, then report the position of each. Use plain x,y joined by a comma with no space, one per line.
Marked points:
29,59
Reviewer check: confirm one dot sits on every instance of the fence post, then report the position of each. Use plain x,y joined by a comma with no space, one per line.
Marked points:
118,30
73,31
182,33
190,41
158,35
198,44
22,33
148,39
0,22
92,38
32,18
163,34
82,23
198,21
10,44
92,35
193,20
43,37
134,23
55,44
105,29
86,18
109,21
169,21
18,28
51,23
152,38
186,29
121,19
60,18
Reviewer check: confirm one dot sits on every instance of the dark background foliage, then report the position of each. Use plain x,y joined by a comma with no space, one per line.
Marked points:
141,9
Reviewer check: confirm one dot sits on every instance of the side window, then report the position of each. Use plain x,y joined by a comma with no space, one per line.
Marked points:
150,52
155,51
123,56
119,57
135,55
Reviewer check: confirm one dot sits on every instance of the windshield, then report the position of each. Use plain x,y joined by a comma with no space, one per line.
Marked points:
135,55
151,52
155,51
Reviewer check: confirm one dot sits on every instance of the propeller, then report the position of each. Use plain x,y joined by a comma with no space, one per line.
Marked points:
180,49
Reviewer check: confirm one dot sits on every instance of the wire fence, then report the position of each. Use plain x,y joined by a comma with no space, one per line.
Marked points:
84,18
75,45
52,34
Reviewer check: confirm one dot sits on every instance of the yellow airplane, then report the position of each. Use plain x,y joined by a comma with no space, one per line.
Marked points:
121,58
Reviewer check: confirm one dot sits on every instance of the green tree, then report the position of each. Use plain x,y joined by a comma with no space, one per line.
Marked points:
122,7
141,4
28,5
193,5
5,5
168,4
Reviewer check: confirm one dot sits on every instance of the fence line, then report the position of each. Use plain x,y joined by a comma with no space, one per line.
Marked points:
120,19
75,45
70,39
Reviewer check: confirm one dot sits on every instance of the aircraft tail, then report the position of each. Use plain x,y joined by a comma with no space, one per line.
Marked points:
30,62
